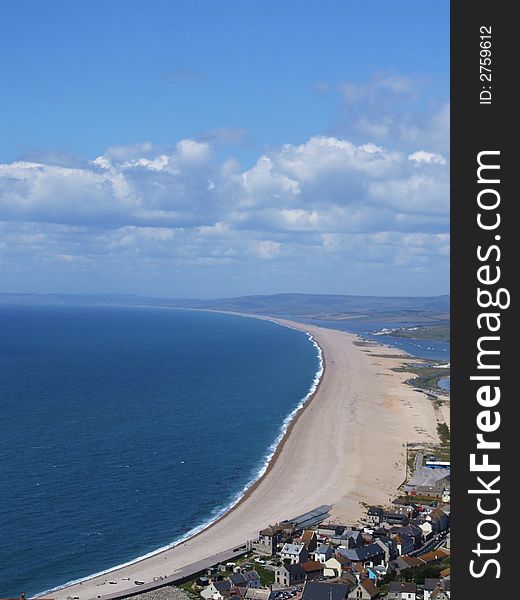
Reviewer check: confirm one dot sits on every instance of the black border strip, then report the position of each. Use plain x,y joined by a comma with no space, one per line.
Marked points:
482,120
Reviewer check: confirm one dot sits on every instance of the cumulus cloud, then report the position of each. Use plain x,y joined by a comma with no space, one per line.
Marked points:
147,210
430,158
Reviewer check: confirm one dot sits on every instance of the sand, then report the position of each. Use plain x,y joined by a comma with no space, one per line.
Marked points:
344,448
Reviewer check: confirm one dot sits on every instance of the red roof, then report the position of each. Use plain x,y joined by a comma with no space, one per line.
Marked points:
312,565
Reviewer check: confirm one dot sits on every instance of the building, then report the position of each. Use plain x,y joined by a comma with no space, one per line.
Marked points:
439,519
365,590
427,529
399,590
374,515
404,543
323,552
313,569
245,579
294,553
435,556
349,538
389,547
216,589
258,594
410,530
435,589
289,575
376,573
268,540
323,590
335,565
395,518
373,553
428,482
310,540
403,563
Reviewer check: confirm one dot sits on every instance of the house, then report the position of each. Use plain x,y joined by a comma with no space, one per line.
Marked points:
435,589
359,571
373,553
428,482
434,556
394,518
349,538
427,529
245,579
268,540
440,595
216,589
323,552
365,590
349,578
403,563
439,519
408,509
335,565
381,531
399,590
411,530
289,575
376,573
404,543
323,590
313,570
310,540
389,547
374,515
258,594
294,553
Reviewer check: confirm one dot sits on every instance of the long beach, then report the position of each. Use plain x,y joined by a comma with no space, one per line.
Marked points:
344,448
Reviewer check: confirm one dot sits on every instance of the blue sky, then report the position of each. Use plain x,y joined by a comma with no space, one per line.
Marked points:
209,148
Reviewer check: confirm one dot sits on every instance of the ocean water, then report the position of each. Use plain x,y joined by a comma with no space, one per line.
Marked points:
125,429
444,383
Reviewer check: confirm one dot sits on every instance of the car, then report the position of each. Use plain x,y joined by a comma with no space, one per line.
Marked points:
138,582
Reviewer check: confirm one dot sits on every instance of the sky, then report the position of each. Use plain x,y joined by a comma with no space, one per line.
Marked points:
210,148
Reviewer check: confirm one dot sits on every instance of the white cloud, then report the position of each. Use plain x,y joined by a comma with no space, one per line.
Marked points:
430,158
144,210
265,248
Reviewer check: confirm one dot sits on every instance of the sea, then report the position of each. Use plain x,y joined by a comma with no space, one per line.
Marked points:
125,430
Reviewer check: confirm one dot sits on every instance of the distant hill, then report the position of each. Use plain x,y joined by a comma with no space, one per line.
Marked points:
308,306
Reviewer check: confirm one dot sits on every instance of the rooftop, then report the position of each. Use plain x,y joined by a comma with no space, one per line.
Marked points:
317,590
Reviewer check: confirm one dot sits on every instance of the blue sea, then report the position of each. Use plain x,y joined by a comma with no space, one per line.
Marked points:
126,429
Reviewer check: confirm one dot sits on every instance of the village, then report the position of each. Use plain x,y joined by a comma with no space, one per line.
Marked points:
396,552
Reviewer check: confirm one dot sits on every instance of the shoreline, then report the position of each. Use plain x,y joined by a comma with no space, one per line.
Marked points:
85,586
277,445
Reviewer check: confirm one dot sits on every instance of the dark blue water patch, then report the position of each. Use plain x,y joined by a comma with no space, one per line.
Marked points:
123,429
444,383
429,349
